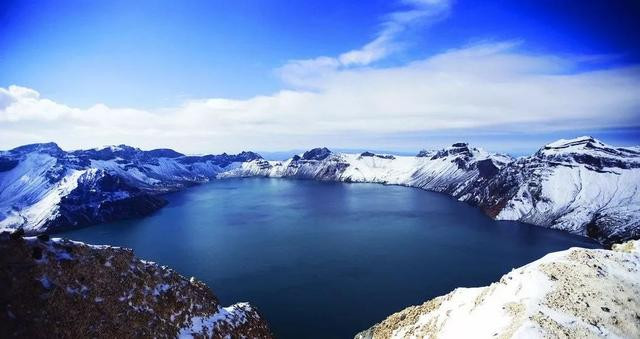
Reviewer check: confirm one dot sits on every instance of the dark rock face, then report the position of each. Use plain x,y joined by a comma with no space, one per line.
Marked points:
316,154
487,168
103,197
164,153
7,164
366,154
332,171
425,154
63,289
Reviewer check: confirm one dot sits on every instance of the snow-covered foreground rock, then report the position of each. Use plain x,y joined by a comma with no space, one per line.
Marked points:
65,289
581,185
577,293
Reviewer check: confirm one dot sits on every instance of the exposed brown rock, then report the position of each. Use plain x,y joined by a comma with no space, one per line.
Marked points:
60,288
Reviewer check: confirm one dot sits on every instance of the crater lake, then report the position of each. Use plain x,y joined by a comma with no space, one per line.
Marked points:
325,259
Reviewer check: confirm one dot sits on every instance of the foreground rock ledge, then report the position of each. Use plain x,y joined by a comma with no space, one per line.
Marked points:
61,288
577,293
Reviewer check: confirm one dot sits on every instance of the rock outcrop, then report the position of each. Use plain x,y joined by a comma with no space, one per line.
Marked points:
577,293
66,289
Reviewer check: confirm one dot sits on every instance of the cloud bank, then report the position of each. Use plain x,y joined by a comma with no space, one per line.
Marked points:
489,85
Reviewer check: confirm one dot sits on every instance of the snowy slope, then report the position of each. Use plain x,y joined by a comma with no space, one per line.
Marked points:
580,185
577,293
43,188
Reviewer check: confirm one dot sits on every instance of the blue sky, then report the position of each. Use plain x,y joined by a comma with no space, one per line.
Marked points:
231,75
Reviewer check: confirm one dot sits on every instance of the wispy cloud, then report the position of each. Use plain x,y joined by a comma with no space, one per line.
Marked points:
489,85
301,72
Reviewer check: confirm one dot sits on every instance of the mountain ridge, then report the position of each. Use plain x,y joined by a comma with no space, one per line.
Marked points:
579,185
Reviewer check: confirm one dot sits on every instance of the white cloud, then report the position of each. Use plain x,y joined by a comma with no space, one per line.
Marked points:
298,72
490,85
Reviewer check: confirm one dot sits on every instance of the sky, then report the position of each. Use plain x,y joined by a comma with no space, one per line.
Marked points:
274,75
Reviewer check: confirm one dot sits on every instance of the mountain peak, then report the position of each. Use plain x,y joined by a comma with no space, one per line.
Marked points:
47,147
579,141
460,144
163,153
426,153
316,154
590,151
248,156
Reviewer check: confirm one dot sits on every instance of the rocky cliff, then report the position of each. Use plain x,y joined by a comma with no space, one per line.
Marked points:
66,289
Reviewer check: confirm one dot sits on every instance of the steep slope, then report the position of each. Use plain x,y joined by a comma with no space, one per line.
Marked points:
43,188
65,289
581,185
577,293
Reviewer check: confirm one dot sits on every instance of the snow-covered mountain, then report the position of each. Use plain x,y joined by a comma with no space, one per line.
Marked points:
43,188
580,185
576,293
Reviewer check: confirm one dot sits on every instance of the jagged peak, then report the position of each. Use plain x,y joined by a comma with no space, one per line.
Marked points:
248,156
579,141
252,153
460,145
456,149
318,153
425,153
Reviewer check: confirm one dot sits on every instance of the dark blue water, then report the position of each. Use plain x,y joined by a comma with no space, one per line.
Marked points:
327,259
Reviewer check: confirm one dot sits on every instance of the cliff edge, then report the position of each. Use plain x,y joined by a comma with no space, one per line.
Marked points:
577,293
61,288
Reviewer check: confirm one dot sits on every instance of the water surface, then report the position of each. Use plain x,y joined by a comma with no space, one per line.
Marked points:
326,260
